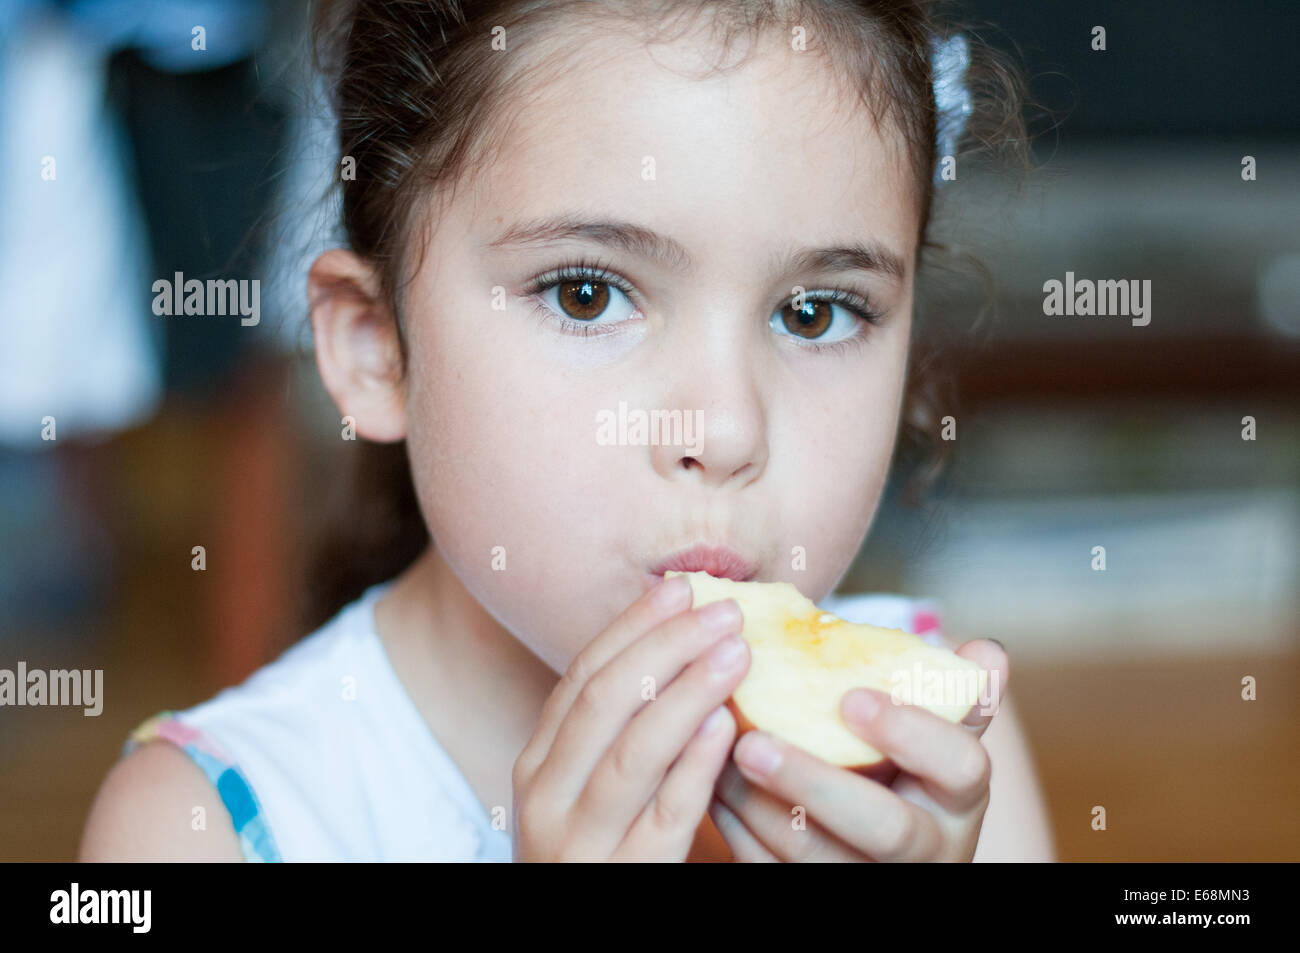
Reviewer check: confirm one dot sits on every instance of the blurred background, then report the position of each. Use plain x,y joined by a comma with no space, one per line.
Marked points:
128,154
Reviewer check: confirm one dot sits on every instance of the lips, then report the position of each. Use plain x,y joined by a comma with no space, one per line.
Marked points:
715,560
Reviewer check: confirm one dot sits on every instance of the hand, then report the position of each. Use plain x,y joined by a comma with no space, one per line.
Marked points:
931,810
608,775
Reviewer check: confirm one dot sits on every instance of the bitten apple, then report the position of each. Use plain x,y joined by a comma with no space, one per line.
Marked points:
804,660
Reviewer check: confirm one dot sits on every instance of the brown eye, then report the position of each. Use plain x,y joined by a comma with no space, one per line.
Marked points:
826,318
583,300
810,321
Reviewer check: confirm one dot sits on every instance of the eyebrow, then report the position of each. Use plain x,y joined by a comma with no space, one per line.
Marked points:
645,243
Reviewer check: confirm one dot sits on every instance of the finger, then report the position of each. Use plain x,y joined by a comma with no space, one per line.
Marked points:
992,658
661,603
641,755
961,830
611,698
782,826
745,847
867,817
950,759
667,825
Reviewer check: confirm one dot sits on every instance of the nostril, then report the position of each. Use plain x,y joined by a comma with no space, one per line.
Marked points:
690,463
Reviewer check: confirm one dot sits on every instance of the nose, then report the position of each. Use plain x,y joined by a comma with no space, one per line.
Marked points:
714,379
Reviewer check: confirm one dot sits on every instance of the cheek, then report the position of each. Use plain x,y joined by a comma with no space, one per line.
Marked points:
835,459
511,480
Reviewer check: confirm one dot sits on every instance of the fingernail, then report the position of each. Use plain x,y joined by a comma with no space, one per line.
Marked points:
758,753
861,705
673,592
727,654
721,616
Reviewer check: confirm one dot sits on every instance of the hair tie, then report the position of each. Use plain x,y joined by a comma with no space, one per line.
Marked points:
949,60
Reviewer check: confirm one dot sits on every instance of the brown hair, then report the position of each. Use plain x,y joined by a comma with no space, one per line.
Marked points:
420,99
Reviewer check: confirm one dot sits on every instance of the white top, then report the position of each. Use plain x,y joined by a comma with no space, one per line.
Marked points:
342,765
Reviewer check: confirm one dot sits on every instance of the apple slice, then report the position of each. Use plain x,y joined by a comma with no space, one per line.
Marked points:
804,660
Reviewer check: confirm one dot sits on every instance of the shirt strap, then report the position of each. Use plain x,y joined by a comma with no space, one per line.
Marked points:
236,793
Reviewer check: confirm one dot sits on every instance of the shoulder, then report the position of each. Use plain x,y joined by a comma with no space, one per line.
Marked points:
202,783
146,811
1017,826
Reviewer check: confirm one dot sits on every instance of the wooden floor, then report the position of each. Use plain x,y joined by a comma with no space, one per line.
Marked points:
1186,769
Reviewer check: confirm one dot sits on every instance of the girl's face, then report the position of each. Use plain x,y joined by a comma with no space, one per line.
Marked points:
709,203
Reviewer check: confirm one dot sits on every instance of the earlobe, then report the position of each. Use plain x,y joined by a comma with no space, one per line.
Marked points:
357,347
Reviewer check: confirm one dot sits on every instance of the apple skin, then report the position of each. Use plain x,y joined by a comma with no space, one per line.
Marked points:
803,661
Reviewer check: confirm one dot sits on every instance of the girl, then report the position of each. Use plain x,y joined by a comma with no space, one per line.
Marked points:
561,209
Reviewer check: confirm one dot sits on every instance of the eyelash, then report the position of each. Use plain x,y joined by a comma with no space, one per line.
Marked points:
853,302
594,270
582,270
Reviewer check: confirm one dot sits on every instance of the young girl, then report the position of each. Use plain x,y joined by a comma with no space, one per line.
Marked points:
562,210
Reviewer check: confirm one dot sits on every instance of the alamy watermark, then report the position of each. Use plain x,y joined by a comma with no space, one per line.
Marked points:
1130,298
641,428
58,687
130,907
926,685
216,296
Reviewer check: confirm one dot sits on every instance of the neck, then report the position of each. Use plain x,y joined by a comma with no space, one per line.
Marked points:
478,687
456,662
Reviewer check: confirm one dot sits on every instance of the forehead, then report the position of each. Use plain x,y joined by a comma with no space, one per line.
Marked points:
735,165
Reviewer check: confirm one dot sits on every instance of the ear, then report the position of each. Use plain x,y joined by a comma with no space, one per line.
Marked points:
357,347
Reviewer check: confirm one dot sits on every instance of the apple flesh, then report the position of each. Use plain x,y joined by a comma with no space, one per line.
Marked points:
803,660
